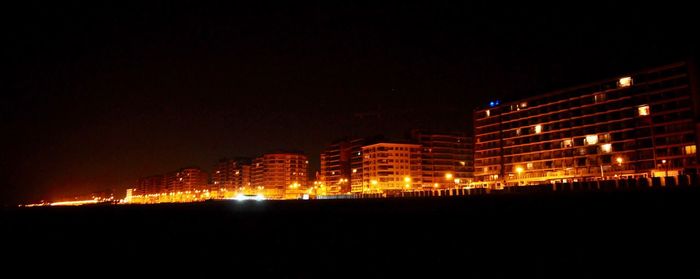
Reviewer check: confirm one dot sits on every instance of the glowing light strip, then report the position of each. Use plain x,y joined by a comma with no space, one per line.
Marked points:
73,202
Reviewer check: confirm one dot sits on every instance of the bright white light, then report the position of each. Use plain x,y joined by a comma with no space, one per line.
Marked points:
242,197
624,82
606,147
538,129
305,197
591,139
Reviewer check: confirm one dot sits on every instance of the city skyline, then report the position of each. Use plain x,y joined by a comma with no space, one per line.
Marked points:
637,125
117,92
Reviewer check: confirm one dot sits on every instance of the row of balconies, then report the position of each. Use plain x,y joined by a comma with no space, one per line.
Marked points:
642,83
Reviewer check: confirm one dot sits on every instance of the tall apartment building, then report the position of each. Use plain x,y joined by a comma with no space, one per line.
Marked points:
150,185
638,124
232,174
337,165
447,159
186,179
391,167
276,172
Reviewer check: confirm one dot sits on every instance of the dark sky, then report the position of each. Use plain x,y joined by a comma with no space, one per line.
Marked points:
99,94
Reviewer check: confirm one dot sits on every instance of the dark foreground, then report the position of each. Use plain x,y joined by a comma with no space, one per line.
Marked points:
556,235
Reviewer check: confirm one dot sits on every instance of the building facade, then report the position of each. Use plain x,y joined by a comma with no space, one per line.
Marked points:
391,167
150,185
276,172
232,174
447,159
186,180
337,166
639,124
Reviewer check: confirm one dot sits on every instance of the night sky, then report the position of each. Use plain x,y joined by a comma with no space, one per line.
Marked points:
97,95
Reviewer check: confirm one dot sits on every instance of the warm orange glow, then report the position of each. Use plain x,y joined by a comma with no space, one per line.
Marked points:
448,176
73,203
643,110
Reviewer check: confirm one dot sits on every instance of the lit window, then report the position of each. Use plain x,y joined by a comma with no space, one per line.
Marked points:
529,166
462,163
566,143
643,110
517,131
538,129
606,148
625,82
591,139
488,113
599,97
486,169
690,149
523,104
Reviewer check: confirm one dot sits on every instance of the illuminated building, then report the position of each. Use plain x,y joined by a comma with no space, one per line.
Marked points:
445,154
636,124
186,180
391,167
275,172
232,174
337,166
129,195
150,185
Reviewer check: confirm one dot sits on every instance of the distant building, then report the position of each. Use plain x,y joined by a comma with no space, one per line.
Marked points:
638,124
447,159
129,195
337,166
150,185
275,172
232,174
391,167
186,180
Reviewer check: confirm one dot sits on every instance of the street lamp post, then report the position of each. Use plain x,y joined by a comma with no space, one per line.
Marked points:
619,164
519,170
663,162
449,179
